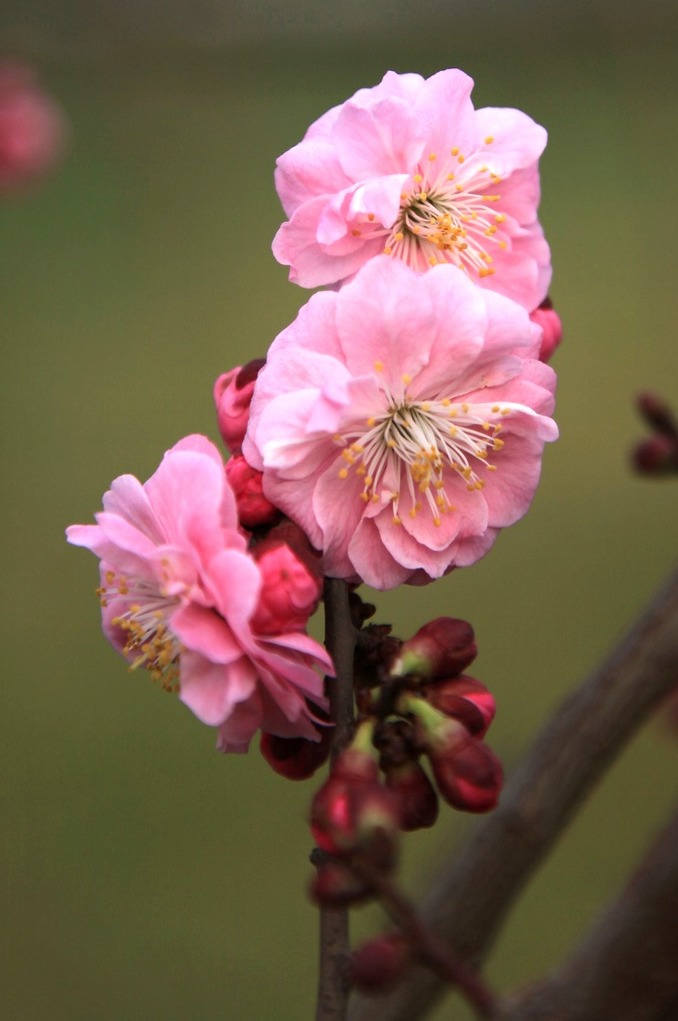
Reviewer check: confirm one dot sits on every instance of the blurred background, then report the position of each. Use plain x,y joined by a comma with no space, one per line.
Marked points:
143,874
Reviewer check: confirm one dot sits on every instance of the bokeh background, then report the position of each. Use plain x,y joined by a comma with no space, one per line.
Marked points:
143,874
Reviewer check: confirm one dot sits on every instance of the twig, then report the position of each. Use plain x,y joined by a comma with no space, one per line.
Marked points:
333,988
427,945
627,967
471,898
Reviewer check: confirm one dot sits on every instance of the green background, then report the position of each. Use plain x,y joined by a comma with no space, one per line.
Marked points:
143,874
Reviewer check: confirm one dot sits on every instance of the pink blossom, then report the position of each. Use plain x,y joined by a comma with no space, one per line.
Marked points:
290,591
411,169
32,128
180,596
400,421
232,395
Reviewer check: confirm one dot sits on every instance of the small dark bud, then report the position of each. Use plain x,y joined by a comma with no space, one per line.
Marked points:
296,758
464,699
334,885
376,966
657,413
415,795
657,455
442,648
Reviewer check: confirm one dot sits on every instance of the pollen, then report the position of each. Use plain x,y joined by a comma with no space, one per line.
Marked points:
489,140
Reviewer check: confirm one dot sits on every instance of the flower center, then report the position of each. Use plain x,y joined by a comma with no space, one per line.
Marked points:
425,445
144,622
448,214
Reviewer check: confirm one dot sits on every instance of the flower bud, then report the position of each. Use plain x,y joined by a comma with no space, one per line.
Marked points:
296,758
657,413
657,455
289,592
376,966
336,886
32,128
552,329
442,648
412,789
254,510
352,812
468,774
464,699
232,396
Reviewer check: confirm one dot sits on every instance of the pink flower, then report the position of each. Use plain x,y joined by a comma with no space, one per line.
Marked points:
409,168
32,128
180,596
400,421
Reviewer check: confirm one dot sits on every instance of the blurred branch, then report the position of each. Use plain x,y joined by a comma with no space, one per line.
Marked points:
333,989
471,898
627,967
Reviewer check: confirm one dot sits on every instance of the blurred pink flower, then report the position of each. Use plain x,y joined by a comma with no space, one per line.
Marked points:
32,128
180,596
409,168
400,421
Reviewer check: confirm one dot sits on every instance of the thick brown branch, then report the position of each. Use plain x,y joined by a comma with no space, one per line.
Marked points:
471,898
627,967
333,989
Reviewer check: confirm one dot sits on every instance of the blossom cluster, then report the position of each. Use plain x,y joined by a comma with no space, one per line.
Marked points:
391,432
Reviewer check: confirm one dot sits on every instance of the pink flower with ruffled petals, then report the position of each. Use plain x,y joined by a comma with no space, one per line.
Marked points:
401,420
411,169
180,596
32,128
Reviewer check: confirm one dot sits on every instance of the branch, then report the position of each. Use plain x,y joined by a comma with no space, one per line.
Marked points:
471,898
333,988
626,968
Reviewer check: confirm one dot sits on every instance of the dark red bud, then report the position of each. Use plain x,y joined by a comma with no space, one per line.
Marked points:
468,774
249,372
442,648
657,413
336,886
376,966
657,455
353,812
415,795
464,699
296,758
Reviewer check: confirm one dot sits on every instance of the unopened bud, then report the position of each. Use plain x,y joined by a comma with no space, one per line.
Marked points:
289,592
353,812
552,329
657,455
32,128
254,510
336,886
468,774
296,758
376,966
464,699
657,413
232,397
415,795
442,648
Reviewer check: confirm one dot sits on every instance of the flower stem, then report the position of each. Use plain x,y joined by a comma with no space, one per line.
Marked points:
340,638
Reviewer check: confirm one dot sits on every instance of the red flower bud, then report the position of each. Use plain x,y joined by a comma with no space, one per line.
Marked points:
468,774
415,795
464,699
442,648
657,455
32,128
352,811
336,886
254,510
296,758
376,966
232,396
